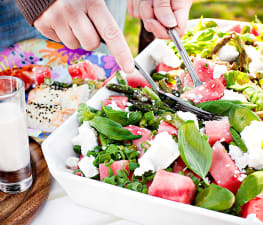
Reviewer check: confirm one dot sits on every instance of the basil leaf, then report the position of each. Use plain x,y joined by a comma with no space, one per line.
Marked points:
251,186
112,129
222,107
77,149
241,117
237,80
122,117
84,113
215,198
194,149
237,139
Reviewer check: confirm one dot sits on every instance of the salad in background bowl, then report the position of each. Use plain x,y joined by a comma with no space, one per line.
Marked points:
136,142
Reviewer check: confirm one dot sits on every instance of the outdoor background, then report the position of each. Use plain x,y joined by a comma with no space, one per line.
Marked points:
242,10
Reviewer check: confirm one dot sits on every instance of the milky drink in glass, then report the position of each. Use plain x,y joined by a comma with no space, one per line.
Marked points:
15,170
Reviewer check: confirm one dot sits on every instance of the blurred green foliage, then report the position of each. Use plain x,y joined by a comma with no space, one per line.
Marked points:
242,10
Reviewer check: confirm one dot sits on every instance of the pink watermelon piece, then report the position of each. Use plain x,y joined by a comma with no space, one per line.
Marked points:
40,73
204,69
172,186
224,171
162,67
120,101
210,91
86,70
117,165
186,79
254,206
218,130
146,136
164,126
136,79
233,28
179,166
223,80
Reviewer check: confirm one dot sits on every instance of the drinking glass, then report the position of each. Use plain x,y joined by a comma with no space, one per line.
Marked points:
15,169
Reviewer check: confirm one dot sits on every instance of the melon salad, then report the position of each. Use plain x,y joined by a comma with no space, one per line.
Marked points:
135,141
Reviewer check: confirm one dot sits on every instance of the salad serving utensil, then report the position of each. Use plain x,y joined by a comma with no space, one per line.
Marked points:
180,47
175,102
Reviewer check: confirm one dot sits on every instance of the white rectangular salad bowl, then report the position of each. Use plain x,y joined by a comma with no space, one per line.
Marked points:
120,202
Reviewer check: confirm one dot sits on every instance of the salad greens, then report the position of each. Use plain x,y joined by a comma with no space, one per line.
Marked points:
194,149
249,189
221,178
241,117
111,129
215,197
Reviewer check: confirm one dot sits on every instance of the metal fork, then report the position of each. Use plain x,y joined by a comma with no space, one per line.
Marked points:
175,102
177,41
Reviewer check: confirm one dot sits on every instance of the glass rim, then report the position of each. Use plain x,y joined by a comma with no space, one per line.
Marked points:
18,80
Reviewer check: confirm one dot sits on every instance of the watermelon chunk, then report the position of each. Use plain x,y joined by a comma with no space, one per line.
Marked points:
172,186
224,171
254,206
40,73
204,69
119,101
162,67
86,70
218,130
164,126
179,166
135,130
136,79
186,79
234,28
117,165
210,91
223,80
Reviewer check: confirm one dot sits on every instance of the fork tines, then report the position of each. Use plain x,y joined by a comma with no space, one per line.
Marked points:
179,104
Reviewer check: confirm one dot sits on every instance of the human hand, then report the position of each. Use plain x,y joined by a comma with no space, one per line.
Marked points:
159,14
83,22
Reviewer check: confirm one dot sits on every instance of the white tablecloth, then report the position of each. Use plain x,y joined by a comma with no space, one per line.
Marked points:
59,209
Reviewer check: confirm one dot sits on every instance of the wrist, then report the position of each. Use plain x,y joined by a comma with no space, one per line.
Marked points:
33,9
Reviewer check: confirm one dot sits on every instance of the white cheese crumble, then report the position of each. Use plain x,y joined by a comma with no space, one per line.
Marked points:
256,64
72,162
228,53
253,218
114,106
252,136
240,158
188,116
161,154
87,167
167,56
172,61
87,138
232,95
219,70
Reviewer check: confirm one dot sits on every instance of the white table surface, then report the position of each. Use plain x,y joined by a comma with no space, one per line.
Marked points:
59,209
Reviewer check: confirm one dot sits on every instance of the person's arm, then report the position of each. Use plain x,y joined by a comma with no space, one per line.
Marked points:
79,23
158,14
33,9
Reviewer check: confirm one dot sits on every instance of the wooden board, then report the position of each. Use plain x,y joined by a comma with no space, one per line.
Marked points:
22,208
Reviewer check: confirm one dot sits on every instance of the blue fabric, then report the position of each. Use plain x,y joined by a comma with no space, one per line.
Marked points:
13,26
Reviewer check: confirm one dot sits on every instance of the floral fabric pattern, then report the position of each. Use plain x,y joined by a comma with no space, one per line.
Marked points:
45,52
